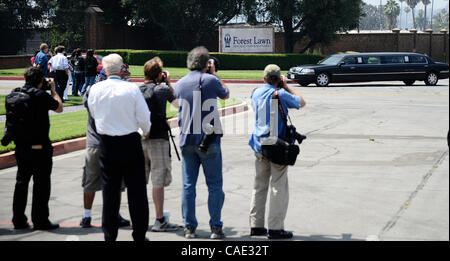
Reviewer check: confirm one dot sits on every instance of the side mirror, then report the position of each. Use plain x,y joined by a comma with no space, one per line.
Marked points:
340,64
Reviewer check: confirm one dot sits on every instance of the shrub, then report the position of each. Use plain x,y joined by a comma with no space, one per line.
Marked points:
227,61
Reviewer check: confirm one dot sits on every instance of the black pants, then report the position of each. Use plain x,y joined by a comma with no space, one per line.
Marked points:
61,78
123,158
36,163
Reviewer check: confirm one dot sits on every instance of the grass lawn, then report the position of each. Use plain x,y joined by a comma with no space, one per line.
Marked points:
175,73
73,125
73,101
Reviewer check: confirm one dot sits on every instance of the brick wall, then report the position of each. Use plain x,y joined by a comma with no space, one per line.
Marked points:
14,61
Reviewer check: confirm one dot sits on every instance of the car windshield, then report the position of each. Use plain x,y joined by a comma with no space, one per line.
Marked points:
332,60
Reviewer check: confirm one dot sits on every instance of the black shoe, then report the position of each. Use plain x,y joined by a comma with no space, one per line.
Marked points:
258,231
123,222
280,234
48,226
86,222
22,226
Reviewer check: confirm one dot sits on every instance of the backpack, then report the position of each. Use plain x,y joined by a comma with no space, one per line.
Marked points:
19,116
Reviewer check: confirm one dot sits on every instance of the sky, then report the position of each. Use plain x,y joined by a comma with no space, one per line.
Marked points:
439,4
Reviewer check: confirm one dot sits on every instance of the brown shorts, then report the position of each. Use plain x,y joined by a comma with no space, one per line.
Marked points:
158,162
92,181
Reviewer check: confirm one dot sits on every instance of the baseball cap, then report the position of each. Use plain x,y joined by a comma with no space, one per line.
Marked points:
272,72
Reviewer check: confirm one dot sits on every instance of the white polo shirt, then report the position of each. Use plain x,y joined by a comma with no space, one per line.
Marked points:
118,108
59,62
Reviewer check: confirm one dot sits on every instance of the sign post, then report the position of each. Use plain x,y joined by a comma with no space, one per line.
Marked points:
246,39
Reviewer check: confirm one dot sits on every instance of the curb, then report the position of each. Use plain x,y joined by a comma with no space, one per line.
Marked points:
20,78
8,160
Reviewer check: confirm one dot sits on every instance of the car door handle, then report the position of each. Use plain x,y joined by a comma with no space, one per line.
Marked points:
352,68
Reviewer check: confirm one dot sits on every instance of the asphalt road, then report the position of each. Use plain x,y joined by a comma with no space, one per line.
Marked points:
375,166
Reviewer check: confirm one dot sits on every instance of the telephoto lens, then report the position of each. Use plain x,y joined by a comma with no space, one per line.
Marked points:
207,139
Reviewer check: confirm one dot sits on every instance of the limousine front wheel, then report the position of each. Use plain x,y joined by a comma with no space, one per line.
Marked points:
323,80
432,79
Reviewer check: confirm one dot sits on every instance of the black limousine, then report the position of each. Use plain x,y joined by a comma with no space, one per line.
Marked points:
367,67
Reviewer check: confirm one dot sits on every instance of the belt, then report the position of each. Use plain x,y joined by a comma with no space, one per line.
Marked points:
37,147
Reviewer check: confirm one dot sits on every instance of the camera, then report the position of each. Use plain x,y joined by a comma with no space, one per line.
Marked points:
210,135
46,86
293,134
215,61
164,77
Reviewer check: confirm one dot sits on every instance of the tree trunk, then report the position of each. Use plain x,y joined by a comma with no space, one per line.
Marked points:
288,35
414,17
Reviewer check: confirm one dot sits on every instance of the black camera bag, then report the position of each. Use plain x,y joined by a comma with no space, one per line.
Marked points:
281,152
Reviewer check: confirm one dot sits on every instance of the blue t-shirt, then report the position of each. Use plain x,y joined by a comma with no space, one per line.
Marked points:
196,105
42,60
261,100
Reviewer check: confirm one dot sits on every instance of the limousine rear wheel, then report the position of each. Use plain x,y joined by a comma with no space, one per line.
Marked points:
322,80
431,79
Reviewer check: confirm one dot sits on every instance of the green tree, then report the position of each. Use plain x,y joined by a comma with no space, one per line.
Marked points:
185,23
392,11
440,20
316,21
412,4
420,20
426,3
17,19
370,19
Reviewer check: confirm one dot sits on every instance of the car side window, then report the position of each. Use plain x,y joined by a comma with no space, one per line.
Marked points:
372,60
417,59
350,60
392,59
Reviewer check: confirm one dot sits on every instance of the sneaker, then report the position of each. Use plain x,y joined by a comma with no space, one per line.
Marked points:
258,231
86,222
123,222
189,233
164,227
217,233
280,234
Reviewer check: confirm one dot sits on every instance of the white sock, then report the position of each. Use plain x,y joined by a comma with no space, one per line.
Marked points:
87,213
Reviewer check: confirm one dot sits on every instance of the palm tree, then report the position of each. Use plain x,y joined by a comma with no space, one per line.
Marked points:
426,3
407,10
412,4
392,10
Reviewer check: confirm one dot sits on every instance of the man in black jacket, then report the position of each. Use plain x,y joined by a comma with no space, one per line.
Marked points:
34,156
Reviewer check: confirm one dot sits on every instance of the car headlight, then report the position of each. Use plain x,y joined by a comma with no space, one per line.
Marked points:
308,71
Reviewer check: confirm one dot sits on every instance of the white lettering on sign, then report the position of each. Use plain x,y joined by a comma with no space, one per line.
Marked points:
247,39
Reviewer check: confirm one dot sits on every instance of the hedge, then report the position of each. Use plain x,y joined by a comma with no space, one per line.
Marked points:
227,61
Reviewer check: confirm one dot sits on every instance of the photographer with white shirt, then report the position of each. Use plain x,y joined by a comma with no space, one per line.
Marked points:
119,110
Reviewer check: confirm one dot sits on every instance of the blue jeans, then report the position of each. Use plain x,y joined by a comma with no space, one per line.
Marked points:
77,82
212,167
89,81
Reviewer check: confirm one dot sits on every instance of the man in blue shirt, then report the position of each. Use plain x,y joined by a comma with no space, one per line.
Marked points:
197,95
41,60
269,174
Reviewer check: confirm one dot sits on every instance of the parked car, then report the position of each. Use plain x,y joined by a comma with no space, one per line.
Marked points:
367,67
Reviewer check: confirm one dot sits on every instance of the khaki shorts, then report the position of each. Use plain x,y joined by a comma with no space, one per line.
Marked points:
158,162
92,174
